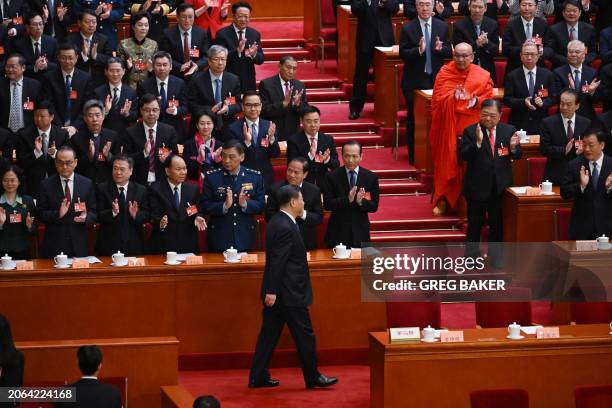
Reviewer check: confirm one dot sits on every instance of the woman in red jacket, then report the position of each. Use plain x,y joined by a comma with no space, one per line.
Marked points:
210,14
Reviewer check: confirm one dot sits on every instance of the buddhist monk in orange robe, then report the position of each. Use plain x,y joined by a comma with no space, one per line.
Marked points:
459,90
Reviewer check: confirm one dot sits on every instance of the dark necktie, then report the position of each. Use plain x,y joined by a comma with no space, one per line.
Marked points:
572,35
186,47
428,64
68,100
531,84
570,131
152,153
45,143
353,178
115,97
240,35
577,80
36,50
217,91
254,133
162,95
121,199
67,191
594,176
177,200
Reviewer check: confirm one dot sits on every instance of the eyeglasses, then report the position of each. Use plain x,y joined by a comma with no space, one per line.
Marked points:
64,163
218,59
252,105
150,110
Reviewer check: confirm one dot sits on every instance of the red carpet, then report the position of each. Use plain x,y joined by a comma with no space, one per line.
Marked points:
230,387
278,29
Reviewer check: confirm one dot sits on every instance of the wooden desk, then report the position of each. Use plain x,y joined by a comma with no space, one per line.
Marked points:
386,95
149,363
520,170
210,308
530,218
549,370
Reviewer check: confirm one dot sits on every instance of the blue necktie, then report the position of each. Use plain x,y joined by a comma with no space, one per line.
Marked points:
353,178
217,90
428,69
68,100
577,80
177,200
477,30
594,176
531,84
254,133
162,95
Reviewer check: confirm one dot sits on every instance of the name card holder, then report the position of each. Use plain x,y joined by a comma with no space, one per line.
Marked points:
451,336
80,264
194,260
355,253
308,256
249,258
136,262
586,245
547,333
401,334
25,266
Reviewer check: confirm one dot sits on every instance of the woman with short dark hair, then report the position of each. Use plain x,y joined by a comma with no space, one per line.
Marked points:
16,215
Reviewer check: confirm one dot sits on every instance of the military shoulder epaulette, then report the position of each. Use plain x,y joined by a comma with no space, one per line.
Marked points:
252,170
218,169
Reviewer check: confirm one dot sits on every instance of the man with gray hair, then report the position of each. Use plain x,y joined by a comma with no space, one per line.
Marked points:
217,89
578,75
94,145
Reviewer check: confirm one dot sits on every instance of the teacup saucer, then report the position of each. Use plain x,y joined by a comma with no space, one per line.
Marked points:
606,246
231,261
121,264
549,193
515,338
172,263
61,266
429,341
344,257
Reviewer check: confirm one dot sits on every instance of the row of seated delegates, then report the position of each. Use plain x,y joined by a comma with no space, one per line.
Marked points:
11,360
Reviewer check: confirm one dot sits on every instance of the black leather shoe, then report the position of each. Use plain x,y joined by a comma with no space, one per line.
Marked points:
353,115
323,381
264,384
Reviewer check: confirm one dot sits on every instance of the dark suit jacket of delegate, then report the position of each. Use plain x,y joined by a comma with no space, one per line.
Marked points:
115,120
122,232
587,75
54,89
553,139
464,31
31,90
592,208
272,94
98,168
64,234
241,65
349,223
312,204
514,37
374,26
485,171
299,146
286,272
201,96
173,43
94,394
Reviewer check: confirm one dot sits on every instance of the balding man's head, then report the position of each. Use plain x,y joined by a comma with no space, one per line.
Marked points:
463,55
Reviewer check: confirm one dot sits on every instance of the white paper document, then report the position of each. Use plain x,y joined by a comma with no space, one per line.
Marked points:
529,329
519,190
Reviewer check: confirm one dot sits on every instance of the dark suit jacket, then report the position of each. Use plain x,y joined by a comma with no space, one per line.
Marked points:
515,92
97,169
17,8
257,157
180,234
464,30
374,26
272,94
53,24
605,89
411,12
54,89
559,38
591,209
604,123
175,89
241,65
587,74
133,144
63,234
115,120
286,272
312,204
122,232
173,43
299,146
585,16
8,143
31,90
553,139
605,45
485,171
200,95
514,37
492,10
94,67
94,394
37,169
349,223
190,154
48,48
414,64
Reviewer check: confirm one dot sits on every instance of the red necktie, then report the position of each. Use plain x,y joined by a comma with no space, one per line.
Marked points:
186,47
67,191
286,87
492,141
152,153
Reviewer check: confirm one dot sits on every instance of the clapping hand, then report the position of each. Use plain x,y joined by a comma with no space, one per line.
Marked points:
360,195
243,198
288,99
133,208
163,223
296,100
29,221
2,216
479,135
421,45
246,134
115,206
200,223
125,110
352,194
81,217
251,52
514,142
229,198
439,44
569,146
584,177
529,104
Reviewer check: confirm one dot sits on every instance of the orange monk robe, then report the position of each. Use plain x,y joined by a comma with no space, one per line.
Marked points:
448,119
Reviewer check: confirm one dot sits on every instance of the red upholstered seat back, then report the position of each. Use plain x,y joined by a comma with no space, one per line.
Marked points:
593,397
562,219
508,398
328,18
279,172
500,314
591,312
321,229
535,170
500,72
412,314
505,114
502,21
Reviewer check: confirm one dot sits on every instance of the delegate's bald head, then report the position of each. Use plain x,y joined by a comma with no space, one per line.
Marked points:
463,55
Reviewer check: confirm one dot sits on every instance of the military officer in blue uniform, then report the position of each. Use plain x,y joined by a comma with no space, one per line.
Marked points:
232,196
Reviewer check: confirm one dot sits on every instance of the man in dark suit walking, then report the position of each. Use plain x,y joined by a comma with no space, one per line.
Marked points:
350,193
258,136
286,293
243,44
67,87
174,212
91,393
283,97
317,147
488,147
17,95
571,29
66,205
37,146
481,33
528,92
374,29
170,91
297,170
579,76
424,44
38,49
149,143
560,136
588,180
186,43
123,208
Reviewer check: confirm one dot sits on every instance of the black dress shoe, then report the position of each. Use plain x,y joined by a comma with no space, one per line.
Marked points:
323,381
354,115
264,384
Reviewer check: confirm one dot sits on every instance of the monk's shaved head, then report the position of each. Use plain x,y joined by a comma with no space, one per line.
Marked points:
464,48
463,55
